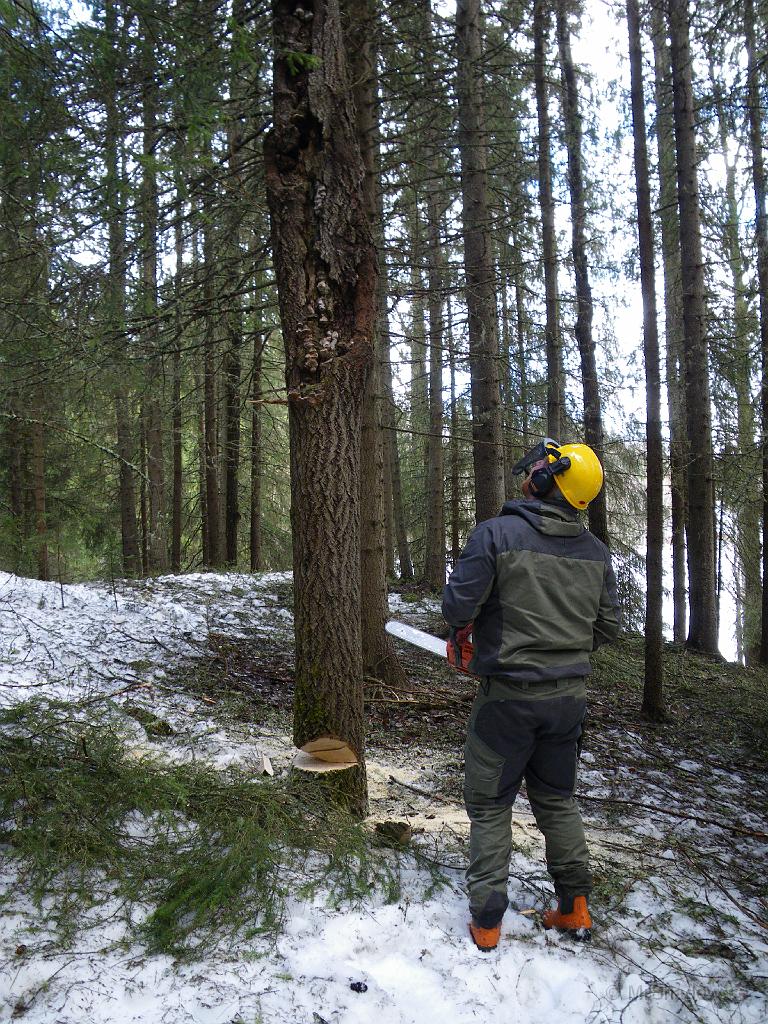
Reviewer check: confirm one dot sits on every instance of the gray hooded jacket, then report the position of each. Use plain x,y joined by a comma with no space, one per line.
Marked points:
540,590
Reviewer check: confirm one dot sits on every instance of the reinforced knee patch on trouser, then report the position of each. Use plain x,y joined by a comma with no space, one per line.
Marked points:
539,738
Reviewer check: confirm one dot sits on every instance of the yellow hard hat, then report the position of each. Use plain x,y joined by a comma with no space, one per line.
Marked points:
582,480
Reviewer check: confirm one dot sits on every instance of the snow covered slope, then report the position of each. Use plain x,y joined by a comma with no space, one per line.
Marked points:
670,943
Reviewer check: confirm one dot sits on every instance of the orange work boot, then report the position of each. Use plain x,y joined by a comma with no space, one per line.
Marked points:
485,939
573,919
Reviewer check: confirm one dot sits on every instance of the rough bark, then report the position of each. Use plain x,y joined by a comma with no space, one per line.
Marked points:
553,346
480,290
702,634
653,688
325,263
593,419
673,313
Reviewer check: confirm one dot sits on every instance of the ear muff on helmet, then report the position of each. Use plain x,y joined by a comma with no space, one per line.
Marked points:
541,481
542,478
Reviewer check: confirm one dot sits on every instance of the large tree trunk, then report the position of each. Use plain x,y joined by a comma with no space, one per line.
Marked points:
487,435
702,633
553,347
673,313
325,264
653,692
760,186
593,419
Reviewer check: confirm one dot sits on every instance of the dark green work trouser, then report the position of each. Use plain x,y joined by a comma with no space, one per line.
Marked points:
517,731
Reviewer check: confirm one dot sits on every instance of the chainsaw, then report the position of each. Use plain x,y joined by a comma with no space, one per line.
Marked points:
458,648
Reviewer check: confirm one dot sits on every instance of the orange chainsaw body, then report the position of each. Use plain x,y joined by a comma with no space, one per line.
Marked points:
460,652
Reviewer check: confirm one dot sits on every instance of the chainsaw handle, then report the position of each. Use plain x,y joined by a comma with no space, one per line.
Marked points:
460,649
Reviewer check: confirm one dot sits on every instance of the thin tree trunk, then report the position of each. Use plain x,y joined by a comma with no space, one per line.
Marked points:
157,549
454,449
205,535
212,495
553,346
126,453
521,355
16,445
434,548
256,553
390,434
158,554
760,187
702,633
653,691
419,393
143,513
747,539
379,656
177,496
116,227
487,433
593,419
236,188
506,372
38,491
673,311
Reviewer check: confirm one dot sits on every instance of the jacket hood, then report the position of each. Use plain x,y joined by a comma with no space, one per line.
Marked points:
553,518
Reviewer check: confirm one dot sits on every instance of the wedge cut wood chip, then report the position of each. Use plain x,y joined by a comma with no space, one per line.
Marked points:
309,763
331,749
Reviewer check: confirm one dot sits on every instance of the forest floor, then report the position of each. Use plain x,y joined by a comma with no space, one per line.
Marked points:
147,873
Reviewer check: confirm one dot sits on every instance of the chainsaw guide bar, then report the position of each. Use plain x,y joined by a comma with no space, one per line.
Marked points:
417,637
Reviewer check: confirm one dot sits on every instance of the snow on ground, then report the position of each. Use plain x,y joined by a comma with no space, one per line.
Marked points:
656,955
71,640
